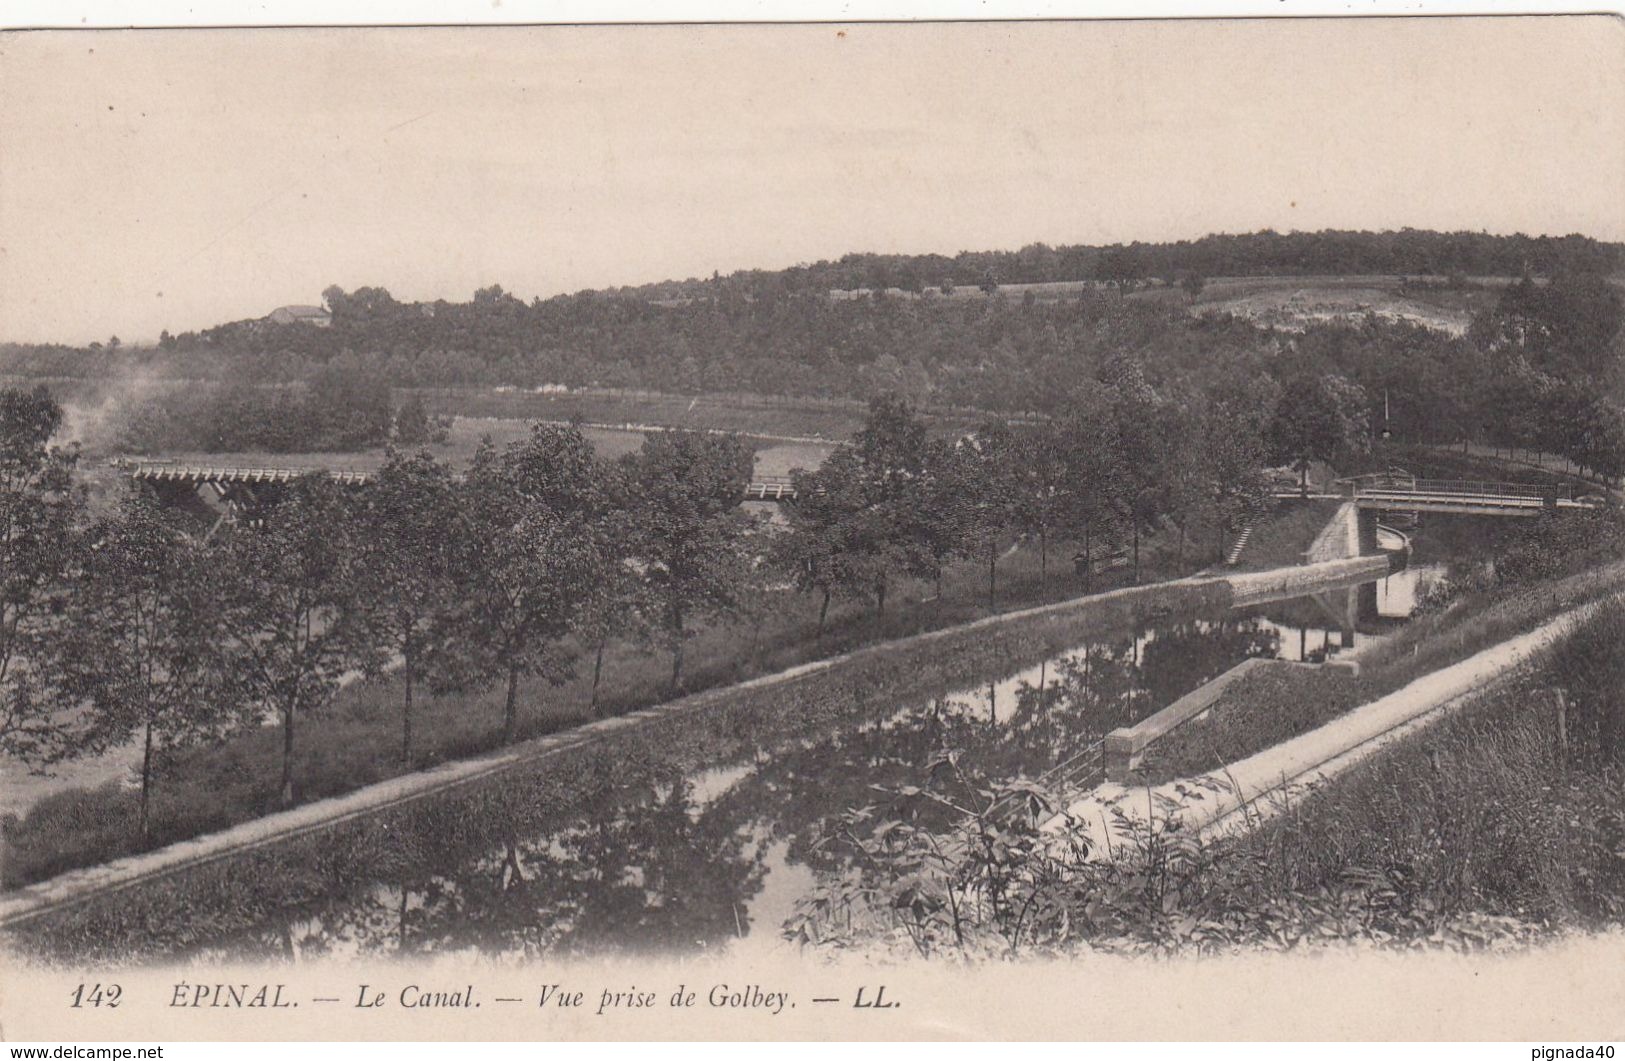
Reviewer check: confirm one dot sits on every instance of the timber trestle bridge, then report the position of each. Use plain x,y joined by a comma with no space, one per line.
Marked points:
234,492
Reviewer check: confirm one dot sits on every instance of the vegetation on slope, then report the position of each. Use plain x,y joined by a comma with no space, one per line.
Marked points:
1282,537
457,830
777,338
1552,565
1500,825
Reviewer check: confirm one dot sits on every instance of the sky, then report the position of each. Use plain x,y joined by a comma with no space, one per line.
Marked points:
174,179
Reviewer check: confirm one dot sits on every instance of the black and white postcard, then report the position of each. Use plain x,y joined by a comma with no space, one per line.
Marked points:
1060,529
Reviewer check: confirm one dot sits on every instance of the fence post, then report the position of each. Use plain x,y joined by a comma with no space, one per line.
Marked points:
1562,721
1118,752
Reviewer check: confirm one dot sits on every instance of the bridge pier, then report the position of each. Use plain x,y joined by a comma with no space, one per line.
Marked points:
1368,531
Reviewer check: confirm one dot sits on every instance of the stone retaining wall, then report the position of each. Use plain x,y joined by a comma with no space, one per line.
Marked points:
1339,539
1126,746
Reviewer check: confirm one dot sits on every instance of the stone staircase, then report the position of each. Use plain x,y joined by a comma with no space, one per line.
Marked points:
1233,554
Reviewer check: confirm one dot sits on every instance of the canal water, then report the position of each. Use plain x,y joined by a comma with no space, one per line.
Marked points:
718,859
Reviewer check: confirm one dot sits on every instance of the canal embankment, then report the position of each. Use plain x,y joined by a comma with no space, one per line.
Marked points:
254,862
1275,732
1287,583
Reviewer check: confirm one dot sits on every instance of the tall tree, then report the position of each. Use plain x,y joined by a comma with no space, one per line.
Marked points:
40,507
1234,452
841,543
1144,429
1319,418
534,550
286,607
878,509
693,539
982,476
415,427
1186,491
1095,471
810,549
404,574
139,646
1568,325
619,605
1040,483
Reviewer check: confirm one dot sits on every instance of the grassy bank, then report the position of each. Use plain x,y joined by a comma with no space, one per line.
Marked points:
1282,537
1495,823
435,834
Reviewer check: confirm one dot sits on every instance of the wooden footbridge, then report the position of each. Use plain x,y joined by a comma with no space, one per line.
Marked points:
224,475
771,488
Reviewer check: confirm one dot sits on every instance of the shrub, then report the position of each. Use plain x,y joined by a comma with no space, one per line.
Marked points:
415,427
66,829
1559,543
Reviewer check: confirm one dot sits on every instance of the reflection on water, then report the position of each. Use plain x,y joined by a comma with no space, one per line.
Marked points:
1399,593
662,860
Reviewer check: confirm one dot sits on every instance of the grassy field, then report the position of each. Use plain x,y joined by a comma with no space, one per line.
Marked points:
751,414
1449,462
1293,302
1518,462
1288,302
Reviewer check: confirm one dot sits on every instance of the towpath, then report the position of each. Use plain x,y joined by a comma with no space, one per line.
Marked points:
1262,784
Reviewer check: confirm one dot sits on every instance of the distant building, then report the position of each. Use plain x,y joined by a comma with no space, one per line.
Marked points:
300,315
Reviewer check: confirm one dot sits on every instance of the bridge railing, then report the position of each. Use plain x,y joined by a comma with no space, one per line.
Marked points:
770,488
225,473
1395,484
